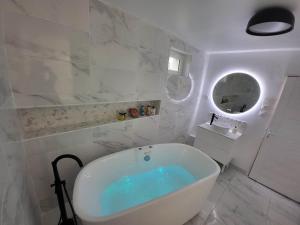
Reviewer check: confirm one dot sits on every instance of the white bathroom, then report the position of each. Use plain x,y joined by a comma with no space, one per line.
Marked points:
136,112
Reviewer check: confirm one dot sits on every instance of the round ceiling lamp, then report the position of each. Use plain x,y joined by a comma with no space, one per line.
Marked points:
271,21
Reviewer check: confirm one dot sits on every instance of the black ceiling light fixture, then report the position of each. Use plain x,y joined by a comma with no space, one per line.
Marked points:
271,21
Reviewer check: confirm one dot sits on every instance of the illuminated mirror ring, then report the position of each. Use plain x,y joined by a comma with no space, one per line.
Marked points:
179,88
236,93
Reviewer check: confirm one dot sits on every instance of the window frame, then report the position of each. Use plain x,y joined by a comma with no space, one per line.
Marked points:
179,56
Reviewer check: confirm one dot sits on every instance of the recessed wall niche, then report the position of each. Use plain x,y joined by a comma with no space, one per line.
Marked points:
43,121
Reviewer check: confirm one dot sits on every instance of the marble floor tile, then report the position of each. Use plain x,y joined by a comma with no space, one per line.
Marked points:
196,220
238,200
283,211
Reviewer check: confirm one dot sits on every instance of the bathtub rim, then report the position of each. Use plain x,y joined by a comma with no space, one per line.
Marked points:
88,218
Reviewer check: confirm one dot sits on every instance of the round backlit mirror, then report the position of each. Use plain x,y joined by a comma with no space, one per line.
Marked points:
236,93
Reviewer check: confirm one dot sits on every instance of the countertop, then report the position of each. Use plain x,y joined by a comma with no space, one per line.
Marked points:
230,135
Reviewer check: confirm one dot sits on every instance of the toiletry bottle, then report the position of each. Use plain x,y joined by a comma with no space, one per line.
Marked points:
142,110
121,116
153,110
148,112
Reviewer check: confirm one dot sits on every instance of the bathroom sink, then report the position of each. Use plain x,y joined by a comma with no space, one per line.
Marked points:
220,127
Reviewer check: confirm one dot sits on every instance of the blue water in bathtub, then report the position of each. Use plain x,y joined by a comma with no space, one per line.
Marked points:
133,190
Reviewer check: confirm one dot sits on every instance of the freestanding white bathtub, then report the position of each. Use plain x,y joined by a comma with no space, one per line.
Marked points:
174,208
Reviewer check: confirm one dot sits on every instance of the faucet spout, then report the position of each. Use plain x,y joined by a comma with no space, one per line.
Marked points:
213,117
54,163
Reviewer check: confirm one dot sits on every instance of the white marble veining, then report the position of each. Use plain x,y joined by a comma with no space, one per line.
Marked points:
16,206
72,13
138,64
6,100
55,58
238,200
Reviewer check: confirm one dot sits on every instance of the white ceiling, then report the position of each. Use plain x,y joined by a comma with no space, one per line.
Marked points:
213,25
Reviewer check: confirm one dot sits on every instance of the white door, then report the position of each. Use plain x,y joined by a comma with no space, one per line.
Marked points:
278,162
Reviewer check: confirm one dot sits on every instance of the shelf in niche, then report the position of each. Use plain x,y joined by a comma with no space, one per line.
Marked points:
38,122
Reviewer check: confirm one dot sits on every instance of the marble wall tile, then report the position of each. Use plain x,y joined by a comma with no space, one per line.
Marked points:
139,54
152,68
114,137
166,125
175,119
9,126
55,58
12,209
181,45
5,92
3,166
145,131
112,85
39,38
115,72
72,13
31,217
6,100
15,191
58,78
111,26
1,29
152,39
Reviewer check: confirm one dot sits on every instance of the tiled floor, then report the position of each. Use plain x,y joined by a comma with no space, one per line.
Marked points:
238,200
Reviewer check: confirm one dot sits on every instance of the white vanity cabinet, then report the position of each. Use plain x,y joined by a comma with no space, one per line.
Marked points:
218,145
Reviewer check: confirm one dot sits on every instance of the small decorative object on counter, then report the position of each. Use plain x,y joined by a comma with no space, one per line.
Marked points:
148,111
134,113
153,111
121,116
142,110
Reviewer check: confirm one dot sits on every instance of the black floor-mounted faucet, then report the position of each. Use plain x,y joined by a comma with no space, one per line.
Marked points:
59,187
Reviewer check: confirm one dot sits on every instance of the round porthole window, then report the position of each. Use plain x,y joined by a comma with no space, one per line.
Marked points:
179,87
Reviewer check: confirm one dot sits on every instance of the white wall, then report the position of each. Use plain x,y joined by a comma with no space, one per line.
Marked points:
270,67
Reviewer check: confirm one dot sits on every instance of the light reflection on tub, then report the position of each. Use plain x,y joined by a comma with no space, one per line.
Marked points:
136,189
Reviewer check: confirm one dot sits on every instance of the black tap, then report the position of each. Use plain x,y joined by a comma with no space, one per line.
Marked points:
213,117
59,185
